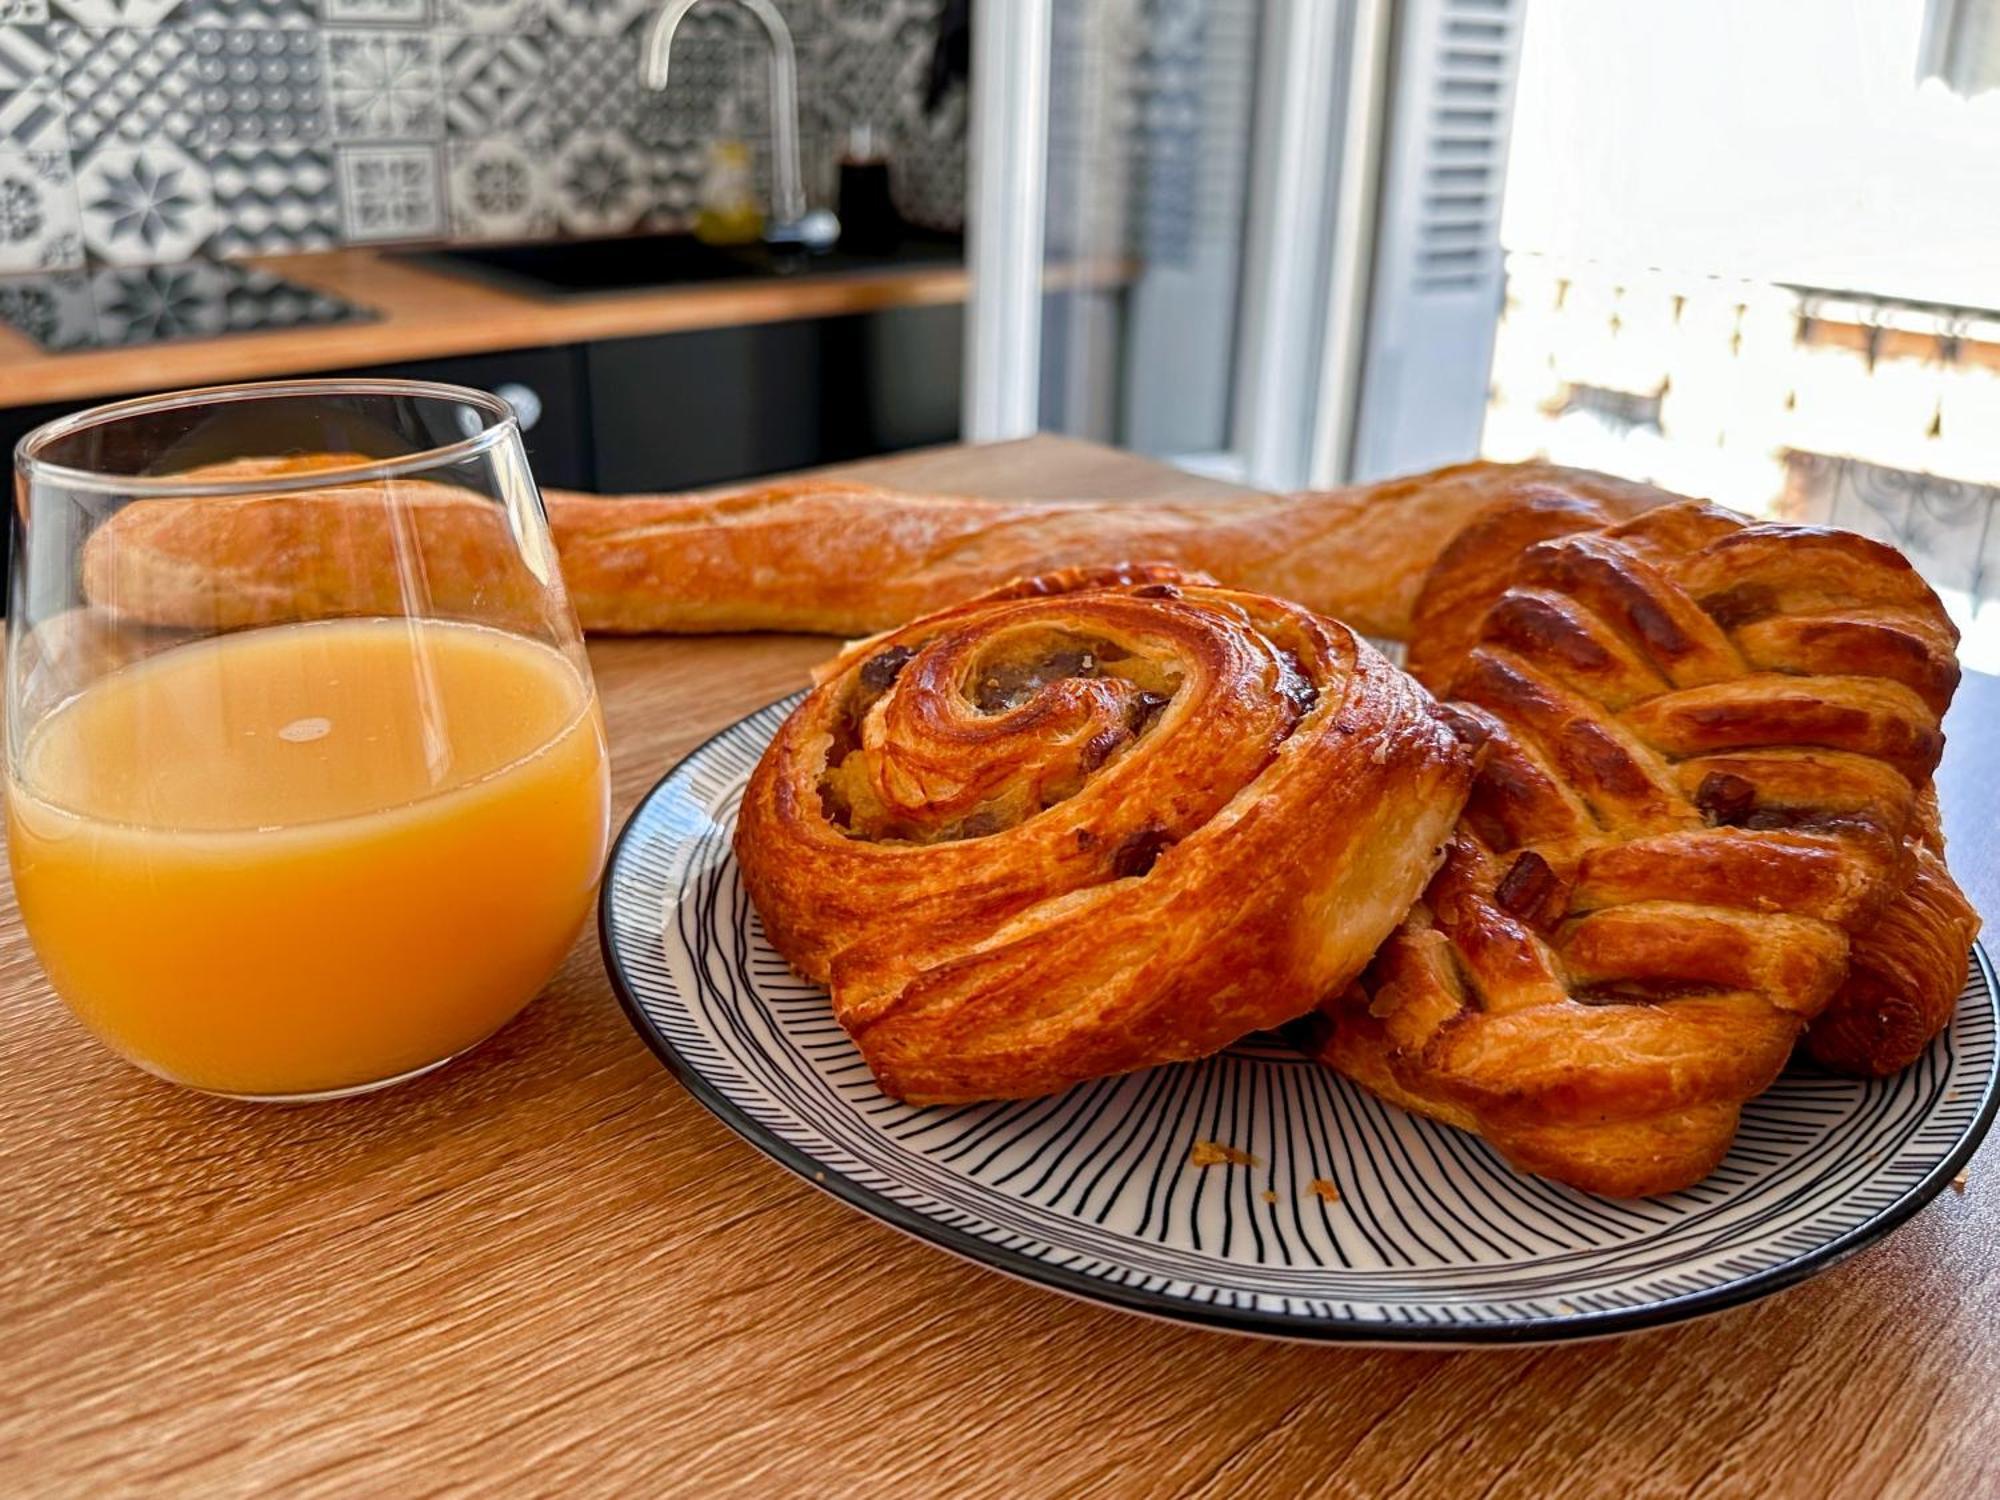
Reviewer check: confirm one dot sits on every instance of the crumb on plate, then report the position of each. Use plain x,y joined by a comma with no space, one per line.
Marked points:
1327,1192
1215,1154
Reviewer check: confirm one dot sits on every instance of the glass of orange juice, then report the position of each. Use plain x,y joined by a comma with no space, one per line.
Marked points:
307,789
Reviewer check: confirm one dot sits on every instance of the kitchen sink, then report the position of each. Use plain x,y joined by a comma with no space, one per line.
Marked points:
576,268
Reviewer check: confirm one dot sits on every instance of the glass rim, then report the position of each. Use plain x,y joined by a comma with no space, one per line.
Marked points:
41,470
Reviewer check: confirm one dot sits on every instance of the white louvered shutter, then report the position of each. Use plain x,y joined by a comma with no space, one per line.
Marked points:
1436,290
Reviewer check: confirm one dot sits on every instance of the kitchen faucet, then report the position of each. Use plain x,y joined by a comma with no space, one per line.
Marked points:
792,221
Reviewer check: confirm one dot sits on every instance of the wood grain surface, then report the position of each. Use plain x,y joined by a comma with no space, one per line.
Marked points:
546,1270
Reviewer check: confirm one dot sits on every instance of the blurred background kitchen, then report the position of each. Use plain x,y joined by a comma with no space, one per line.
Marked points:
1742,249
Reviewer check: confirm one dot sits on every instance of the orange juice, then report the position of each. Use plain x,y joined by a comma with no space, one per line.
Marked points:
311,857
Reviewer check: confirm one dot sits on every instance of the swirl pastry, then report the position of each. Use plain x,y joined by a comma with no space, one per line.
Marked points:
1090,822
1709,760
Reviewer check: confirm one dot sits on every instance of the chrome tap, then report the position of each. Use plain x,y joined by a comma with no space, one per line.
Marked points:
792,220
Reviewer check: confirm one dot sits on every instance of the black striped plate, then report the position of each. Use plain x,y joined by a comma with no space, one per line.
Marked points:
1430,1239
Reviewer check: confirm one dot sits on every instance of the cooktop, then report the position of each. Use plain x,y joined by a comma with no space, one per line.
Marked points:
118,306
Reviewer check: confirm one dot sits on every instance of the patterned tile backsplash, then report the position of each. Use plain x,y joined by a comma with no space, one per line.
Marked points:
140,132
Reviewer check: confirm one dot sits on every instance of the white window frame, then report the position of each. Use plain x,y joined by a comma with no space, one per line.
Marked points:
1004,239
1321,143
1305,111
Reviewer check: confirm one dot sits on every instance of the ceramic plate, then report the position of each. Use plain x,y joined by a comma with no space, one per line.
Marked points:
1415,1232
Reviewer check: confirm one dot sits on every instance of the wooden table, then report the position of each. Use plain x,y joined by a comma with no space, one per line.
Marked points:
548,1270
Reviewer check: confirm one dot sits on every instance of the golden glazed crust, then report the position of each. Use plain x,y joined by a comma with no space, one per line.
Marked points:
1904,969
1908,964
1093,822
812,555
1711,745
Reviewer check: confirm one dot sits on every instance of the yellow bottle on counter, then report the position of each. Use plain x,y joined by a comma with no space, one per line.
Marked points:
729,214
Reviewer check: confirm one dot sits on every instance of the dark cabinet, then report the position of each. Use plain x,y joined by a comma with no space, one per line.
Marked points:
891,380
675,410
712,404
546,388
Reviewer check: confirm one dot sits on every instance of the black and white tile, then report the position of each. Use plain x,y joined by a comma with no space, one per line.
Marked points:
602,183
27,59
274,198
588,83
494,86
384,85
675,173
106,13
33,119
55,309
257,84
492,16
39,224
142,205
31,101
289,15
377,12
125,86
712,75
237,127
873,22
594,17
144,304
501,190
391,192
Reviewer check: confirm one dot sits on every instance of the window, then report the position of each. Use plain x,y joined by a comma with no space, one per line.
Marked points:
1961,45
1748,258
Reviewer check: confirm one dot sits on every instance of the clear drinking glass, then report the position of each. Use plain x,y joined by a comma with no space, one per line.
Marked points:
306,780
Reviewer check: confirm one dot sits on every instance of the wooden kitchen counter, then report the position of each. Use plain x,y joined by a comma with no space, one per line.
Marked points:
424,313
547,1270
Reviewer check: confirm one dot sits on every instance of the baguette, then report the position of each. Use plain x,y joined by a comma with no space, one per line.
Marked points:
811,555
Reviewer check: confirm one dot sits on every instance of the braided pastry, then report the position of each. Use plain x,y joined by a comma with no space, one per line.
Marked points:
1709,752
1090,822
1906,968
